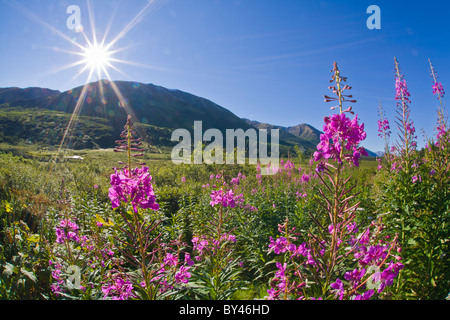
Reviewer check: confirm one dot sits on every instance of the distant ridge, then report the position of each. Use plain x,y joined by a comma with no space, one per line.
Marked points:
303,131
41,115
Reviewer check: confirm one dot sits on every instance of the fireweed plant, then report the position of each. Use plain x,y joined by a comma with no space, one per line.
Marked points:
414,192
338,259
77,257
216,277
159,269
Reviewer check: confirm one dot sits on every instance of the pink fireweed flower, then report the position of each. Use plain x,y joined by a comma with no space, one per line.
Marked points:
404,123
134,186
365,296
386,277
416,178
401,90
199,244
305,178
374,254
170,260
119,289
354,276
384,127
437,86
280,245
438,89
338,288
289,166
341,135
225,198
182,275
188,260
66,230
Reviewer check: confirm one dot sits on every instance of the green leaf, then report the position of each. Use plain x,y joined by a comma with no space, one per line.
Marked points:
33,238
9,269
29,275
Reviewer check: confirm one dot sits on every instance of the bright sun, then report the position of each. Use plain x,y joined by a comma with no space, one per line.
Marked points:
96,57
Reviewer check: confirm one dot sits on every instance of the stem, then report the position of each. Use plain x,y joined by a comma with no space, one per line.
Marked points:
404,118
335,209
441,109
338,83
129,137
142,248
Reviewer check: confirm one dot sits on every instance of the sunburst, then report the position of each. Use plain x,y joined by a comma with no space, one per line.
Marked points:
96,57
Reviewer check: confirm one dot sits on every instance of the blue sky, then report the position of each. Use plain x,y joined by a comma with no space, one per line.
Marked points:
267,60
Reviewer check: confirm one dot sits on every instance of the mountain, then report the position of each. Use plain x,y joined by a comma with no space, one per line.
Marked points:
151,104
27,97
41,115
304,132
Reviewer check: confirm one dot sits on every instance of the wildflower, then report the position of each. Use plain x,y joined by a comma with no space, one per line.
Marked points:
432,172
405,125
273,294
401,89
386,277
199,245
340,134
188,260
354,276
235,181
134,186
320,167
338,288
170,260
289,166
280,245
416,178
438,89
226,199
280,276
352,227
67,230
56,288
182,275
119,289
374,254
384,127
301,249
183,179
365,296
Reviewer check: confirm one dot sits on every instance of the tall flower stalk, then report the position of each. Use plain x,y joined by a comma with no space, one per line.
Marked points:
405,125
340,134
134,188
438,90
384,128
335,245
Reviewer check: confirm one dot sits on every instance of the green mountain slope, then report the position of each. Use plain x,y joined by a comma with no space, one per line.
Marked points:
39,115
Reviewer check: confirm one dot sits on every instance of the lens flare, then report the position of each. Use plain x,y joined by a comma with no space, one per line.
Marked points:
97,57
